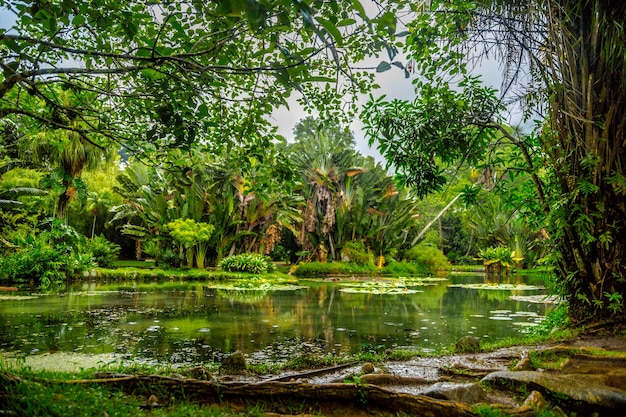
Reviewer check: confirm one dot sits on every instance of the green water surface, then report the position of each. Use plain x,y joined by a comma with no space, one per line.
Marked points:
199,323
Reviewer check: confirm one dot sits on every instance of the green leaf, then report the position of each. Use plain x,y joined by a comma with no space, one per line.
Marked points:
383,66
345,22
331,29
321,79
78,20
203,110
356,4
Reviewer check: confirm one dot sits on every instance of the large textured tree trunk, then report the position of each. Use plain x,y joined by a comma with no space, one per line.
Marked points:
586,57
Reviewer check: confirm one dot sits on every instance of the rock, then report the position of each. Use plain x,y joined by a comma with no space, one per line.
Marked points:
465,393
524,364
197,372
581,393
234,364
367,368
468,344
557,412
536,401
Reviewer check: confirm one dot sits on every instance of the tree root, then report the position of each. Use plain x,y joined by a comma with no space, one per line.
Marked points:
364,396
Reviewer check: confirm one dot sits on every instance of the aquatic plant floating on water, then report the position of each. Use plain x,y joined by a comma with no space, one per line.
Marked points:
500,287
377,287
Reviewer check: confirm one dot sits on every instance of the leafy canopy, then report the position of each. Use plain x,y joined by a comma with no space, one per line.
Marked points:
157,75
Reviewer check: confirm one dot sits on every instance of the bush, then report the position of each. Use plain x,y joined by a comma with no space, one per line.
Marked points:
320,269
253,263
404,268
279,253
356,253
498,260
104,252
42,264
428,257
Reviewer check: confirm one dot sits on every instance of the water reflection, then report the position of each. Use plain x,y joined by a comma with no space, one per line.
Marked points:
203,324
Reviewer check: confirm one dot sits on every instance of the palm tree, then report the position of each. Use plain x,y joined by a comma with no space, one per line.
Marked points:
66,152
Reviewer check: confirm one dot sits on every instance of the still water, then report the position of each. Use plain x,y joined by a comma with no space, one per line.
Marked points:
197,323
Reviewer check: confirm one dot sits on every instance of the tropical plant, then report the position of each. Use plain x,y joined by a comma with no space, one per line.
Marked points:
104,253
428,257
146,208
357,253
498,260
566,61
349,198
65,152
253,263
193,238
50,258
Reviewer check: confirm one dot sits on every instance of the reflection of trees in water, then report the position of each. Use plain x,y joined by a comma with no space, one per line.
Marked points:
244,296
220,321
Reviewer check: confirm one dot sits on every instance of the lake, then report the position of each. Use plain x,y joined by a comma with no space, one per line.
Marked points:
193,323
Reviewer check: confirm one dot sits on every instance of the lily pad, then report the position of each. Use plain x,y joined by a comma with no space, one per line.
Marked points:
377,287
17,297
499,287
387,291
538,299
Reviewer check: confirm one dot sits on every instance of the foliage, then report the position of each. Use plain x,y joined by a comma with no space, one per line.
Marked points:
357,253
555,319
404,268
429,258
104,253
179,276
253,263
567,176
349,198
193,236
279,253
136,69
320,269
441,127
497,255
48,259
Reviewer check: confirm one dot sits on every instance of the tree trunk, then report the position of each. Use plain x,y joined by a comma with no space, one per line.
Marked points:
588,117
64,201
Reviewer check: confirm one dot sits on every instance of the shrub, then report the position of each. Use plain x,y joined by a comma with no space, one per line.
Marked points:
279,253
498,260
356,253
43,264
404,268
428,257
320,269
104,252
253,263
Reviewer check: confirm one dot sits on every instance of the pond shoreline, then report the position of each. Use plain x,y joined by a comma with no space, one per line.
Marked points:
452,385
